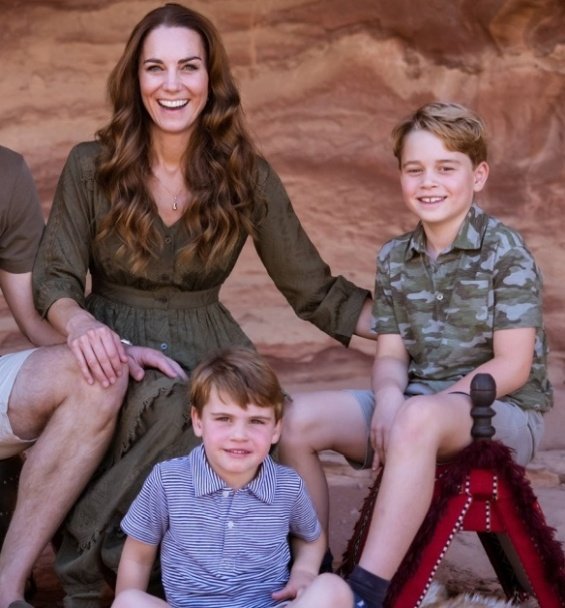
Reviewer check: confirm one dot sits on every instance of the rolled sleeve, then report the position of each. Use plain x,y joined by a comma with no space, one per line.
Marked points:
62,262
331,303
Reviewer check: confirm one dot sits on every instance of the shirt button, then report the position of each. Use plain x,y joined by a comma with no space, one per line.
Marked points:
230,525
439,297
168,240
164,346
225,493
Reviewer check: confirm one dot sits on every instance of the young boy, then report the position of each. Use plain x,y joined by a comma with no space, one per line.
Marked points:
223,514
461,294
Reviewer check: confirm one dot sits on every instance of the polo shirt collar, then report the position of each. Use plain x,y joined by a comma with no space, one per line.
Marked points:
469,237
207,481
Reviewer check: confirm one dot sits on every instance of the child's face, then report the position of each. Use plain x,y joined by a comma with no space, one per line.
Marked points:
236,441
438,185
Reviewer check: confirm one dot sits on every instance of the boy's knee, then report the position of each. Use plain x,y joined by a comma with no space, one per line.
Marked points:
335,588
415,418
125,599
295,419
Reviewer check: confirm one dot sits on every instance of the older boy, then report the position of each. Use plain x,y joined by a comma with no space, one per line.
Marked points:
461,294
222,514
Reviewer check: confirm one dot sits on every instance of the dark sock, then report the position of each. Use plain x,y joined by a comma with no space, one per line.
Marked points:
369,589
327,562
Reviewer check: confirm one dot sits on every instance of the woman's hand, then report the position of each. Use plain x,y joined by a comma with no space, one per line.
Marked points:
142,357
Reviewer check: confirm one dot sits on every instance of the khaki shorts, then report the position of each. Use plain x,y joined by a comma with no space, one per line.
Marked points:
520,430
10,366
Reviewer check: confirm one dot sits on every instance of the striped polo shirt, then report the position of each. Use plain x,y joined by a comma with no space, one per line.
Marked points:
219,547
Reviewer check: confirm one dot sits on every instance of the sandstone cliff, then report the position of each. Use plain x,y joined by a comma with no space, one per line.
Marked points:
323,82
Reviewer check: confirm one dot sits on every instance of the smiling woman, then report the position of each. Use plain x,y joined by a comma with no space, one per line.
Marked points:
173,79
173,82
158,210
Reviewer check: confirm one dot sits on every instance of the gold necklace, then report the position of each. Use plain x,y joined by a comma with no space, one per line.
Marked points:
176,197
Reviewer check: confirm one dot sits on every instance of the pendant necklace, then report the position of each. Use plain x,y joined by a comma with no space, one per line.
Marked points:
176,197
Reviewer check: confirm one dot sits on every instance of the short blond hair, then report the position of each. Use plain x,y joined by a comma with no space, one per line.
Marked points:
459,128
241,374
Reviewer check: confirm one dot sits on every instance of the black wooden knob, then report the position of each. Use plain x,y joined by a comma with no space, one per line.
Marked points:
483,393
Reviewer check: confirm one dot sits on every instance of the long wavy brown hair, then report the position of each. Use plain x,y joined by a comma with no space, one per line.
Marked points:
220,157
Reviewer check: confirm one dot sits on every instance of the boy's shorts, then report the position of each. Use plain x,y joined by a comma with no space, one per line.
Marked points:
10,366
521,430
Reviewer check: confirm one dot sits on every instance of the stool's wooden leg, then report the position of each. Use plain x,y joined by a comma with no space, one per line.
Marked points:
545,584
497,548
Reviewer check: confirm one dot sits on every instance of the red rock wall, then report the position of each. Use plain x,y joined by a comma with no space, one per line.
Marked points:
323,82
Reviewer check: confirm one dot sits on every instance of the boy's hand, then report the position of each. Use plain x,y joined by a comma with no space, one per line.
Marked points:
389,380
298,581
388,404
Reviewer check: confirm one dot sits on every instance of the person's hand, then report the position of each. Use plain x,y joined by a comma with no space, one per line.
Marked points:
386,409
142,357
298,581
98,350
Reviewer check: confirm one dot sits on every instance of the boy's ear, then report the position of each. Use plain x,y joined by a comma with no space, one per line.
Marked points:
277,432
196,421
480,176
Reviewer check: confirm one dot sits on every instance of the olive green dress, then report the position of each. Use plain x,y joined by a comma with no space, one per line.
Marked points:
173,307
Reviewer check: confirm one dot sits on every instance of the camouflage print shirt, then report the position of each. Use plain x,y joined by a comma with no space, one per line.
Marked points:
447,310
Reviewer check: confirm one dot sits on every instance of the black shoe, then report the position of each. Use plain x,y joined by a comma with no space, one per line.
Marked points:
9,475
327,562
358,602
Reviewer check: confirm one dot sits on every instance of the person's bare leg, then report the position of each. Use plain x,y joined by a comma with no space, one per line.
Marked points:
325,590
74,423
427,428
317,421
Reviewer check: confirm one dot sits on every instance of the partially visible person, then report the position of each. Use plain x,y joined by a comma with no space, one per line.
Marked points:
222,515
46,407
158,209
459,295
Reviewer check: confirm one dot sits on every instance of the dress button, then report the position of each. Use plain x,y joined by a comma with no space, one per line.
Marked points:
439,296
164,346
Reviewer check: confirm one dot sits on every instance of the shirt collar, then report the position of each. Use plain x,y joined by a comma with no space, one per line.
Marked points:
207,481
469,237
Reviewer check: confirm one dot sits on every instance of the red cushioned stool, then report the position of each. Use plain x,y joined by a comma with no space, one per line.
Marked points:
483,490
